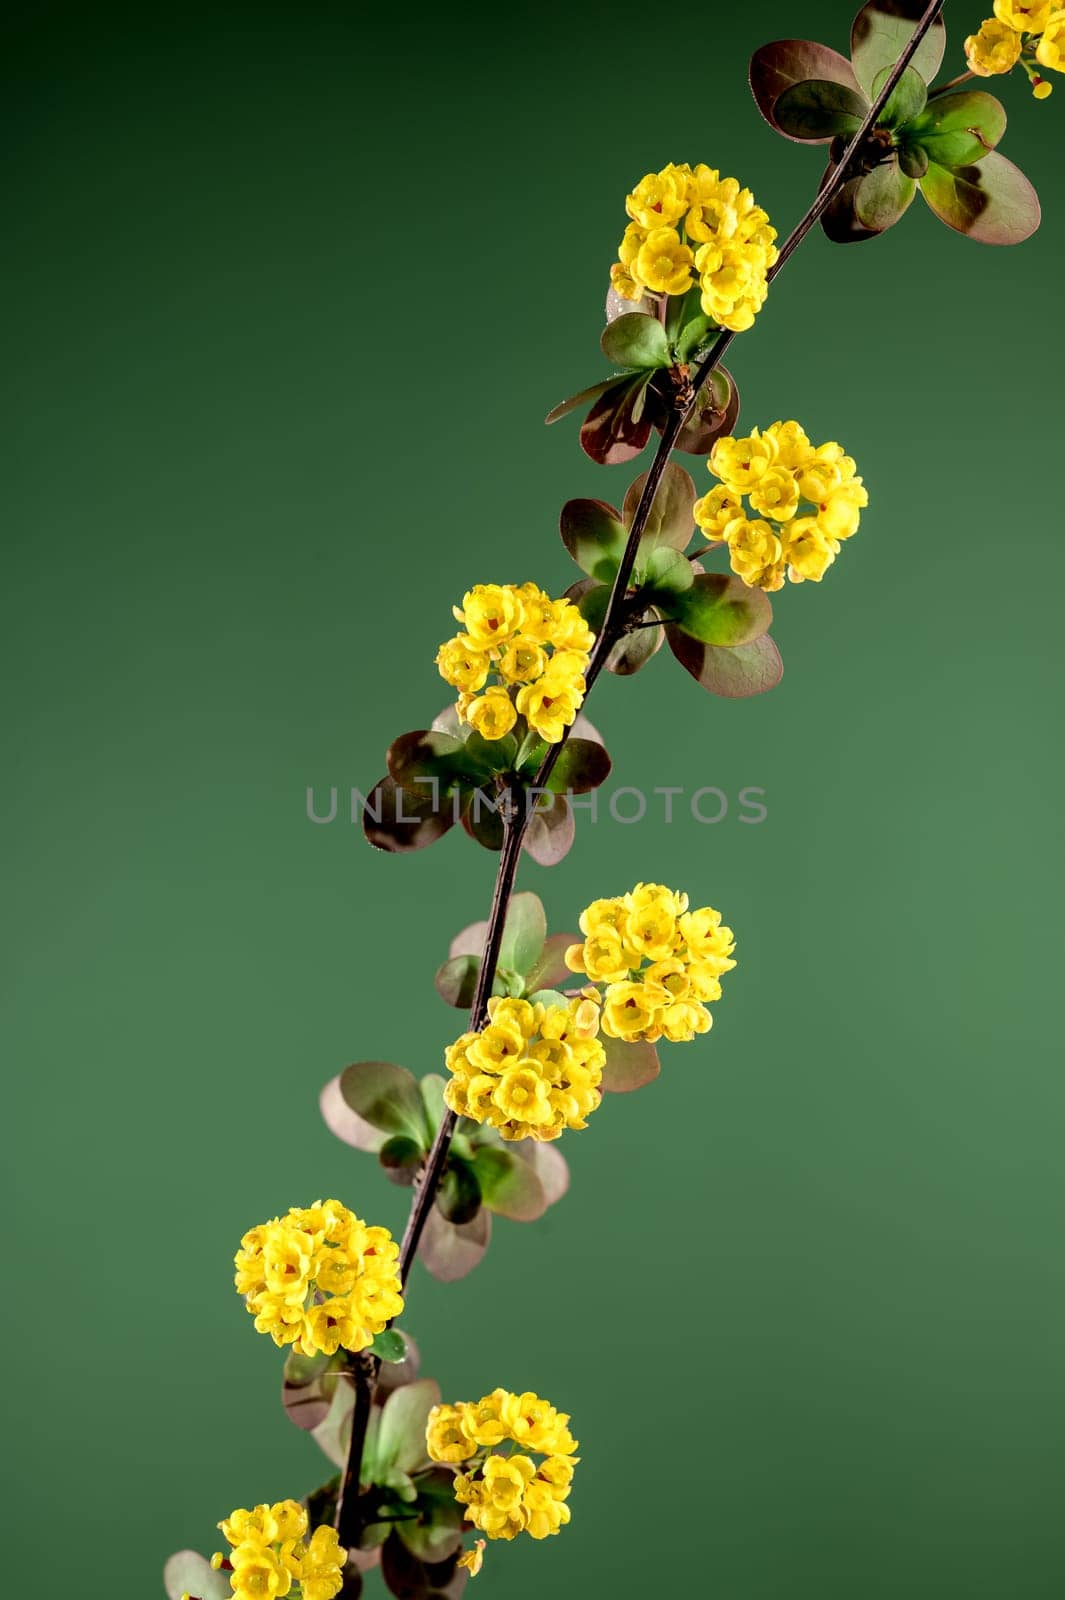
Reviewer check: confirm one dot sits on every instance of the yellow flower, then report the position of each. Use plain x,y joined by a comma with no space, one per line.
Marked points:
492,714
505,1495
541,613
994,49
258,1574
1031,18
569,630
522,659
623,284
473,1560
776,494
778,471
659,199
1050,51
491,613
249,1527
755,553
548,710
740,463
838,517
536,1425
483,1420
716,509
462,665
706,939
524,1086
631,1011
793,446
665,262
269,1551
683,1019
321,1566
320,1279
810,552
521,1095
290,1520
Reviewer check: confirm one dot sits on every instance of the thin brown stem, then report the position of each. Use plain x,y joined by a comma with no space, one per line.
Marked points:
952,83
517,813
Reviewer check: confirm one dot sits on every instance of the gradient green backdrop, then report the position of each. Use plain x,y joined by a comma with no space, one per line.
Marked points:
289,290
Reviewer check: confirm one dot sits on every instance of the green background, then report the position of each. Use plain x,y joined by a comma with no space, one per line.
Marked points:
289,289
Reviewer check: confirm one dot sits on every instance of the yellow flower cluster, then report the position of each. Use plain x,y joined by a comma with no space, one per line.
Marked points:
320,1279
532,1070
535,648
271,1555
808,500
505,1495
690,225
661,963
1029,33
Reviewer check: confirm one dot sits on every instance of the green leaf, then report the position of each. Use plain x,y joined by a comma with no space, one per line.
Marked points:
402,1158
582,766
628,1066
906,101
510,1186
594,535
992,201
818,110
551,831
742,670
550,969
880,33
666,574
719,609
459,1195
591,599
437,1533
432,1088
694,335
959,129
635,340
188,1572
449,1253
389,1346
524,932
913,160
456,981
883,195
385,1096
671,521
400,1445
333,1434
776,67
575,401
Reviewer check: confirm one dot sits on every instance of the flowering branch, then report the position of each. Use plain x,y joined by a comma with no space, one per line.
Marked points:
517,813
694,267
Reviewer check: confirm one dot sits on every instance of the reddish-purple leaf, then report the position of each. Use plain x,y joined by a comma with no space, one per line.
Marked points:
629,1066
744,670
776,67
